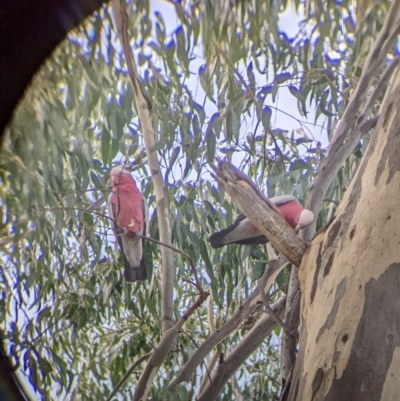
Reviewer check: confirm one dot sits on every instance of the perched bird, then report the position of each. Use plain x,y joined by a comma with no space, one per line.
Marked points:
244,232
128,211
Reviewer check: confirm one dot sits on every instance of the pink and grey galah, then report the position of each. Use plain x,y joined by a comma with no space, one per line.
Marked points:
244,232
128,211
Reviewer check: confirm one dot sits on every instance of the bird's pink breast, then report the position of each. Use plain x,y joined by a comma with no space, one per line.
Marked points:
291,212
127,202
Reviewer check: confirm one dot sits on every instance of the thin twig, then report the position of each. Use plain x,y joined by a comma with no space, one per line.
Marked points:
230,64
127,374
229,326
195,344
331,200
190,260
270,311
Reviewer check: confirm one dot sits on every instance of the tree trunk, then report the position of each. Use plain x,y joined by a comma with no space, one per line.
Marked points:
350,283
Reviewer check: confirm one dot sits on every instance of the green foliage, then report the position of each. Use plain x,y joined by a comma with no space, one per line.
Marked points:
71,322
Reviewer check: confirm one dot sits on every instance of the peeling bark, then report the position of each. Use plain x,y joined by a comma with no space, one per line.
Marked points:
350,281
353,125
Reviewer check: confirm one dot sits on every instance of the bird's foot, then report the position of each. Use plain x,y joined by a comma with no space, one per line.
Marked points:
130,234
137,236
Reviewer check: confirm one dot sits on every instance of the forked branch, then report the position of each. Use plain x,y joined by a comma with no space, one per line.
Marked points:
261,211
265,282
161,352
241,352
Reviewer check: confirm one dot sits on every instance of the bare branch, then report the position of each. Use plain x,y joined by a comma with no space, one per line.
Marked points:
292,319
190,260
380,86
241,352
343,140
160,353
184,375
270,311
142,107
262,212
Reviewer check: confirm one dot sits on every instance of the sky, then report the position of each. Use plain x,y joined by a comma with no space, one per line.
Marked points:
289,23
286,116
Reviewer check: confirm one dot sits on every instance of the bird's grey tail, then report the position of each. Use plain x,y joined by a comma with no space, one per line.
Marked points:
219,239
135,273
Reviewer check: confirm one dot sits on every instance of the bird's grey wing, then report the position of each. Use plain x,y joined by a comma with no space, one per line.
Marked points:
139,272
241,231
117,230
282,199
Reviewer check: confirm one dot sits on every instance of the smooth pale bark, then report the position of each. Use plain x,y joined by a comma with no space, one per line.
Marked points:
354,124
350,281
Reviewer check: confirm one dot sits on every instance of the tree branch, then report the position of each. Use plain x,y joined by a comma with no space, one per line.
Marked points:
127,374
184,375
340,147
189,259
262,212
270,311
241,352
142,107
380,86
286,385
160,353
292,319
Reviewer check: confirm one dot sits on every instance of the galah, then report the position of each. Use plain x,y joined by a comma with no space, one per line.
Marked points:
244,232
128,212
